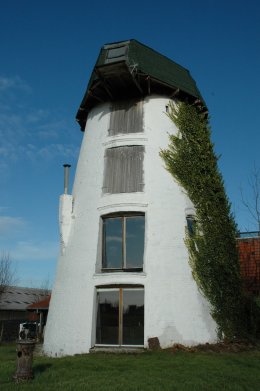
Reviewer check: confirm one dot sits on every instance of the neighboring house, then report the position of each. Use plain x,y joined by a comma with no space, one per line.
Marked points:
249,255
123,275
13,308
39,312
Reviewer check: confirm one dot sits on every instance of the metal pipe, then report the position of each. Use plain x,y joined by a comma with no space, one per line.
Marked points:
66,178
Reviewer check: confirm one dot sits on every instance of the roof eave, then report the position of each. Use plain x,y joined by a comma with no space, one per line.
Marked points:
107,79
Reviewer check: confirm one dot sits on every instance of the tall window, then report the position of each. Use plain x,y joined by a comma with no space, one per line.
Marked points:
126,117
191,224
120,316
123,242
124,169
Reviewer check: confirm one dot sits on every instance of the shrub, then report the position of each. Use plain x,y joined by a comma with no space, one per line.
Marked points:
213,256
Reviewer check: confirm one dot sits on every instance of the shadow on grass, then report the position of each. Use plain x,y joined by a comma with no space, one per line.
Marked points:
39,368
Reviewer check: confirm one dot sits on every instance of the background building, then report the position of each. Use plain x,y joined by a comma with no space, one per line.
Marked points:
13,309
249,255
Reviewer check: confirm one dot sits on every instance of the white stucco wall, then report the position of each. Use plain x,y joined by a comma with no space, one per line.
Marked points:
174,309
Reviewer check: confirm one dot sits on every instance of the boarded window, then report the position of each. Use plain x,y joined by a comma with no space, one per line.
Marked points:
124,169
126,117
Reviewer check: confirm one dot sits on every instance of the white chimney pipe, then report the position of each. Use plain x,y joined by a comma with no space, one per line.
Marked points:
66,178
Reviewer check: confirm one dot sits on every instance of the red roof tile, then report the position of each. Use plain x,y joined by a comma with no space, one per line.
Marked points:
40,305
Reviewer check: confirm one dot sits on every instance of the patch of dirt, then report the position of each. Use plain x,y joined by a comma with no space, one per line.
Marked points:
235,346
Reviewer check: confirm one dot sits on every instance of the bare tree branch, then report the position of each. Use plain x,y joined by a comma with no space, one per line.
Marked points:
7,272
253,203
46,286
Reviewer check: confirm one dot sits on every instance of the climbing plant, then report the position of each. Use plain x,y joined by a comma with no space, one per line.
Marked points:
213,256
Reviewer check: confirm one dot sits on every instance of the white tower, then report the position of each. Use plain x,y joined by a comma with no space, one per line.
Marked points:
123,274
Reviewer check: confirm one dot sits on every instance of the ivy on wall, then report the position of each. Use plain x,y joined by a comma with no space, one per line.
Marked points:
213,256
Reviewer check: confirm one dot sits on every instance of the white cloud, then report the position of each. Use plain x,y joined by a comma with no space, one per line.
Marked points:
7,153
28,132
35,251
4,208
51,129
14,82
9,224
4,167
55,150
36,116
15,135
6,83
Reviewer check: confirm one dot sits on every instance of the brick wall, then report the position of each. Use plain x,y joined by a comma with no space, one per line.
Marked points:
249,255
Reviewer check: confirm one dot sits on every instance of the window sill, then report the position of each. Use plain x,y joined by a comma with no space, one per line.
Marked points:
117,349
129,270
119,273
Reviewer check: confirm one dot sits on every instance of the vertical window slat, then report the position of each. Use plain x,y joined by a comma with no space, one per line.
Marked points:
123,171
126,117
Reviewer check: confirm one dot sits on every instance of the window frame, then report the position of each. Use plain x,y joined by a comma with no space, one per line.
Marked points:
123,216
191,224
120,289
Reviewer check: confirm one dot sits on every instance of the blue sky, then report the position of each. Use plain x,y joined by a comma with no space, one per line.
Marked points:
48,50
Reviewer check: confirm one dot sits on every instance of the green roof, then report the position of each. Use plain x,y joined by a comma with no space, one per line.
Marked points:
130,69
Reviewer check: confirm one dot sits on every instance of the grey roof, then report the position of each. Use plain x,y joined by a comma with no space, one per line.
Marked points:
18,298
130,69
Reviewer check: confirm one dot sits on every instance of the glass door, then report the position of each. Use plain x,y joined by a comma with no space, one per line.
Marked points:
133,317
120,316
107,317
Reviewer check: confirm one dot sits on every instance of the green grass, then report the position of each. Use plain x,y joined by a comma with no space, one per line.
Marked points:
157,371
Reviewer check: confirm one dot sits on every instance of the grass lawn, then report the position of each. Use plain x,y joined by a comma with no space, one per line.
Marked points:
153,371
